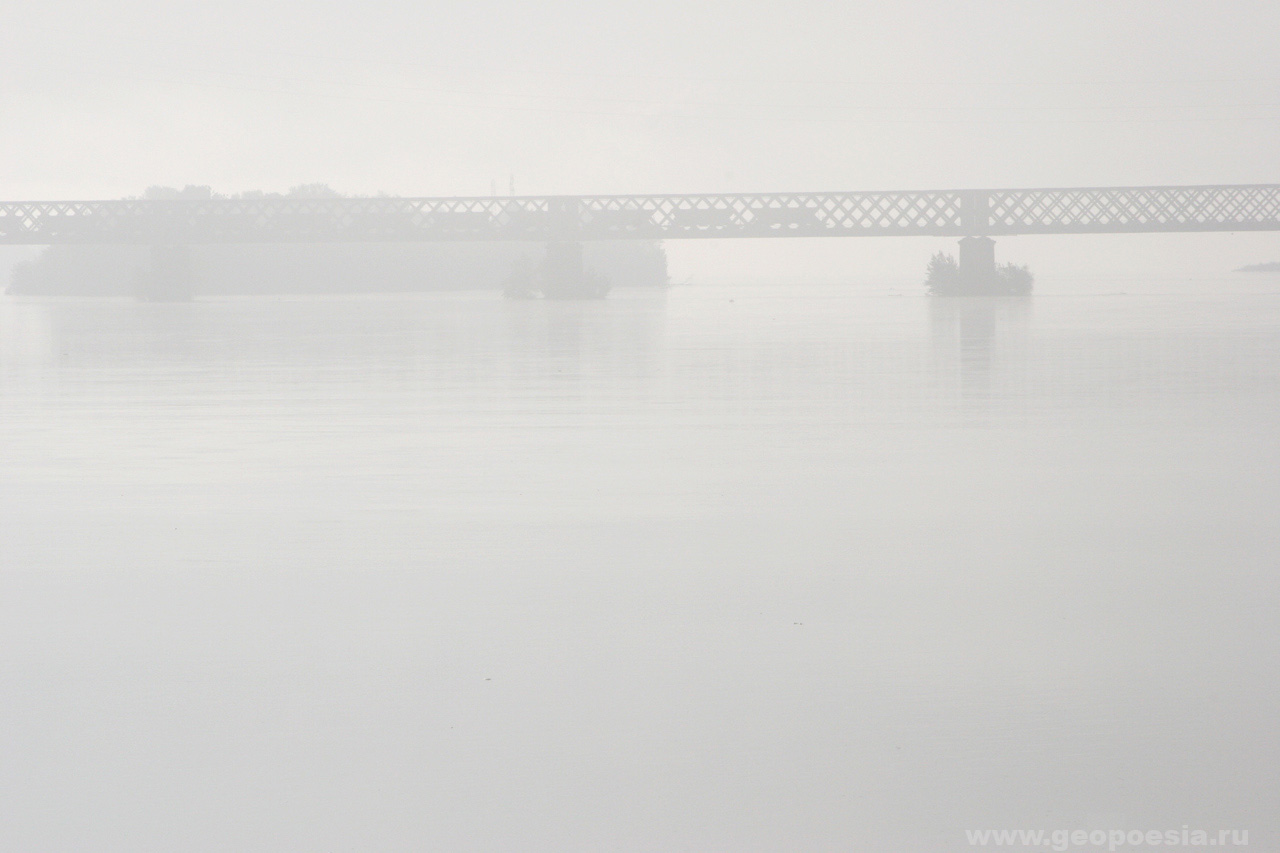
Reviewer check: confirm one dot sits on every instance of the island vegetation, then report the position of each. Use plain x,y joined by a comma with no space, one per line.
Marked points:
945,278
563,273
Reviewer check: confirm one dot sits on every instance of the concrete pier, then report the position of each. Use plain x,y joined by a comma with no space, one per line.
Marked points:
170,277
562,274
977,262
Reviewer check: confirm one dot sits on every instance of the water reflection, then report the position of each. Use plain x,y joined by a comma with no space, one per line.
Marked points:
448,336
973,337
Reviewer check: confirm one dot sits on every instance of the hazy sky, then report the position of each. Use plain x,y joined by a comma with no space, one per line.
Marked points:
101,99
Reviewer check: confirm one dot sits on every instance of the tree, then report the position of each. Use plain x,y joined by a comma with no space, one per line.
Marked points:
944,275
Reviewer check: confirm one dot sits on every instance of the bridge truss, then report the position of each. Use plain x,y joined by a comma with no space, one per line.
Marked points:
955,213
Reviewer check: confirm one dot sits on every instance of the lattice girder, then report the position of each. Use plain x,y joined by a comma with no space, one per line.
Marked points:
651,217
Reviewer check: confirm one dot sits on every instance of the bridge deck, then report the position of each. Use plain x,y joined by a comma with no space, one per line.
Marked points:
938,213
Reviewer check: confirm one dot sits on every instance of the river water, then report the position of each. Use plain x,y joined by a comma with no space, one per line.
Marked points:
720,569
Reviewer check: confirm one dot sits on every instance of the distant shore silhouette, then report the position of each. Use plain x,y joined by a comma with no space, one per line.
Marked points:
322,268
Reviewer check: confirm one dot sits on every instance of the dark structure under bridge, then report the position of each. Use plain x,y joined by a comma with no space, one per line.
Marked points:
571,219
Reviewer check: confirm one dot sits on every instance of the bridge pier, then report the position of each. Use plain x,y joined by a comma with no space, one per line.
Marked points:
977,262
976,272
562,274
170,276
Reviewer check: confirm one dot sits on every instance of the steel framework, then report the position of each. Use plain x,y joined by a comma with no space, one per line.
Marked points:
649,217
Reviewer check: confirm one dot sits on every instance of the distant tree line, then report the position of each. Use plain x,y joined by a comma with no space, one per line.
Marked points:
322,268
194,192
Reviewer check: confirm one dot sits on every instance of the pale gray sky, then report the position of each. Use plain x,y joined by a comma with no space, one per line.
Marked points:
102,99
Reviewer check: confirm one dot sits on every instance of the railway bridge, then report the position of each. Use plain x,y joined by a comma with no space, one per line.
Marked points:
975,216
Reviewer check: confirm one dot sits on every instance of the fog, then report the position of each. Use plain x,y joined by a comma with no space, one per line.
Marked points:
333,547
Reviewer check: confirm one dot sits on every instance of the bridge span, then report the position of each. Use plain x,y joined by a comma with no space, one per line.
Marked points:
564,222
934,213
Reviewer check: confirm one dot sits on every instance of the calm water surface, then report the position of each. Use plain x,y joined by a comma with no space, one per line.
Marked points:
765,568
